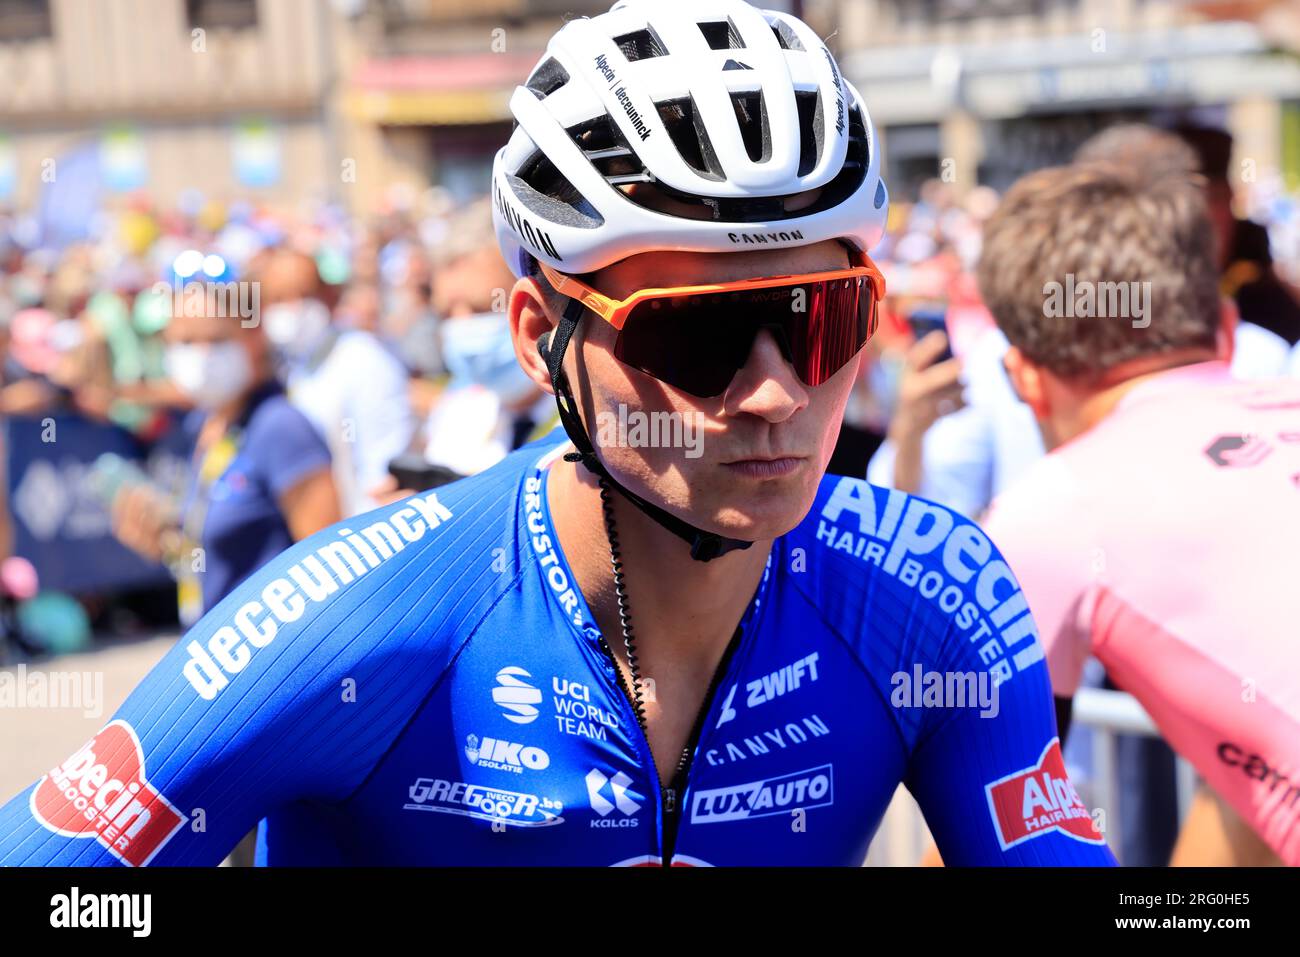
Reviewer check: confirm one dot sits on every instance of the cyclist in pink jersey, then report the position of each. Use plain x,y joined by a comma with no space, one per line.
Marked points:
1159,533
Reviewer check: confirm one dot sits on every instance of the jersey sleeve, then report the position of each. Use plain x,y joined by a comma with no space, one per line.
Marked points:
945,636
986,768
290,689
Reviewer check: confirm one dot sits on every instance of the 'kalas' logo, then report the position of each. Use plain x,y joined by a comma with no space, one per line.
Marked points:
1039,800
101,792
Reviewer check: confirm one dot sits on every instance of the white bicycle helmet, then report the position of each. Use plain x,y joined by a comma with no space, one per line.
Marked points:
739,112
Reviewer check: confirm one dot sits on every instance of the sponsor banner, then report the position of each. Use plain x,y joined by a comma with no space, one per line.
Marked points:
61,525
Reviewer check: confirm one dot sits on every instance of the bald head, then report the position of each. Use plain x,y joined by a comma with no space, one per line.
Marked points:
287,275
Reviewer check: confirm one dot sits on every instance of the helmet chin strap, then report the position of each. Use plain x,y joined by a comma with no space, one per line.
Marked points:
705,546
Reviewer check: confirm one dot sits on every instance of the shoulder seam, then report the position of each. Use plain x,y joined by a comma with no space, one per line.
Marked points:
857,658
433,689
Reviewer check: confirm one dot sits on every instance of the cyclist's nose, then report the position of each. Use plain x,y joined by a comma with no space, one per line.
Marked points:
766,385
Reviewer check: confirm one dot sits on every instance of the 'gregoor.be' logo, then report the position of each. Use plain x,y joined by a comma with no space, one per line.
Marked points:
484,803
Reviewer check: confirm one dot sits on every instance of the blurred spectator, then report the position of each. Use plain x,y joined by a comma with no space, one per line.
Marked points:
347,383
489,406
1244,258
261,474
963,456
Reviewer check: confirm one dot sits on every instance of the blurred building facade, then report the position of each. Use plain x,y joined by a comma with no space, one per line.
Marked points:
235,96
436,78
291,100
981,91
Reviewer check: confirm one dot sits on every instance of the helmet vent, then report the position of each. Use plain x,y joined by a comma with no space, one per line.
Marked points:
788,39
687,131
641,45
722,35
809,103
755,209
603,144
547,78
547,186
751,114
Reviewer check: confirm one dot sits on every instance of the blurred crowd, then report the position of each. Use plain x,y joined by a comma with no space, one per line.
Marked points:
355,357
307,365
310,365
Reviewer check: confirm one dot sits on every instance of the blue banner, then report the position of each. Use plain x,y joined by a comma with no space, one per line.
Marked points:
60,525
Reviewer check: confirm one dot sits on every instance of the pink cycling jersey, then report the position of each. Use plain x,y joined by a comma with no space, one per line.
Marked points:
1164,541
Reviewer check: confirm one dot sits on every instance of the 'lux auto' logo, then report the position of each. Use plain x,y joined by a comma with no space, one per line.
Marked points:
1238,451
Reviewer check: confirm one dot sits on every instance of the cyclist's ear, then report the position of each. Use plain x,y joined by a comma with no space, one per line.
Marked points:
531,328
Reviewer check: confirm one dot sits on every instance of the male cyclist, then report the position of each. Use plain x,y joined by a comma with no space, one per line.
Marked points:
670,639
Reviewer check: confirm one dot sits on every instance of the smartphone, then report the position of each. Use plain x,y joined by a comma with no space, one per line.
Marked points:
927,319
412,471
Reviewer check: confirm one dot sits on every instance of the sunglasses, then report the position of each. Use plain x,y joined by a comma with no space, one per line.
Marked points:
696,338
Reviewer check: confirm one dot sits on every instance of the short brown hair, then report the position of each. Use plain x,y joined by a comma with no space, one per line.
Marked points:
1148,149
1102,225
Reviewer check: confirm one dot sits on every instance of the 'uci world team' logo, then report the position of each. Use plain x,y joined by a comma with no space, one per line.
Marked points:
516,697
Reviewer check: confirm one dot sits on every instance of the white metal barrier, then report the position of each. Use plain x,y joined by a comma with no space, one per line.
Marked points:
1109,713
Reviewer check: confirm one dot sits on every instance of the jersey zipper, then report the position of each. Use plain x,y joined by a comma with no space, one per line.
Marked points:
677,786
668,796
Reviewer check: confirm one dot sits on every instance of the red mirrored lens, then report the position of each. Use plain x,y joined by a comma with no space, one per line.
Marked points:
698,342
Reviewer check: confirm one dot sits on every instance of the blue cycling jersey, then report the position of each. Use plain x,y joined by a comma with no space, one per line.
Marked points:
425,684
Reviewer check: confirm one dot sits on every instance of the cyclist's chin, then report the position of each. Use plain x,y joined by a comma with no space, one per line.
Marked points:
754,499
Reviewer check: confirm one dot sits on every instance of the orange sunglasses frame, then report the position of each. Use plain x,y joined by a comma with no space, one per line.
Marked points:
616,311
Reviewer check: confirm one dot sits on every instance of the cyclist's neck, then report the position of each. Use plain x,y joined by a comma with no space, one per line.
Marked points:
1088,404
679,607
